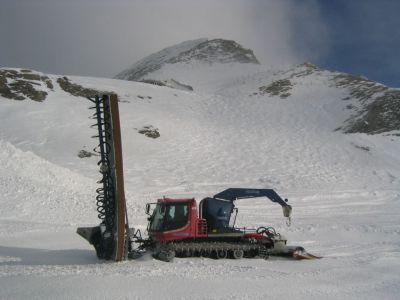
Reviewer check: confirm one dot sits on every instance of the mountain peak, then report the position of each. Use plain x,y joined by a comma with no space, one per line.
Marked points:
215,51
218,51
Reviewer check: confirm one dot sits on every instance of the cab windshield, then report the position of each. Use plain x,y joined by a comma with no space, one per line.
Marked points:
169,216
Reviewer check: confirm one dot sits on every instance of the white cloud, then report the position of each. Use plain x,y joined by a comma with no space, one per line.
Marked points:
102,37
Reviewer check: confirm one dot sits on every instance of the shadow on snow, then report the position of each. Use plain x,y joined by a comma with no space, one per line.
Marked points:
32,256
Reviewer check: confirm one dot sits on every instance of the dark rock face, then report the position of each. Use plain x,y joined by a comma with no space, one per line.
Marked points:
375,108
360,87
83,154
279,88
172,83
150,131
20,85
378,108
283,86
26,84
206,51
382,115
217,51
78,90
154,82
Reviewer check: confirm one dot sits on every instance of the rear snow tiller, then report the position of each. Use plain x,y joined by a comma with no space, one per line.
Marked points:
177,227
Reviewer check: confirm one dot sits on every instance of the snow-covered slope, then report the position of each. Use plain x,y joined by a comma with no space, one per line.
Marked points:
240,127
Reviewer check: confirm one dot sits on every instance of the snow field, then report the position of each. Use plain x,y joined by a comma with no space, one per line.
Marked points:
346,200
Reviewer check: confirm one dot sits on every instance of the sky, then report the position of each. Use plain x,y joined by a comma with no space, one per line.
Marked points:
103,37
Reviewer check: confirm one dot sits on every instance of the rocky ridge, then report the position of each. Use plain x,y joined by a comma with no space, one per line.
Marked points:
374,108
22,84
371,107
201,51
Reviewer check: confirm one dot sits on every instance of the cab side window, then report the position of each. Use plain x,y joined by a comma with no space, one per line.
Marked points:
177,216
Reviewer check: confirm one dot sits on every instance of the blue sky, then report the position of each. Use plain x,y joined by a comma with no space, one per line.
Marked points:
103,37
364,38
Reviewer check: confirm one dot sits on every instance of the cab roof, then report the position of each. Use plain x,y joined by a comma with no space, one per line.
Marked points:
174,200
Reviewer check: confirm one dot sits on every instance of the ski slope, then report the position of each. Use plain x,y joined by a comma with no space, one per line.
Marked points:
344,189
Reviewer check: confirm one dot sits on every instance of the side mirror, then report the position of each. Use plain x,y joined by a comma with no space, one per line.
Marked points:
148,209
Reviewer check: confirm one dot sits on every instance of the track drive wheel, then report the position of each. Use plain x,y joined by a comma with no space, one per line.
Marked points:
164,253
237,253
221,254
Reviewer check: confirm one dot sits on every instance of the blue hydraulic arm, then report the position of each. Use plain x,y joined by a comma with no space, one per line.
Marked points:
233,194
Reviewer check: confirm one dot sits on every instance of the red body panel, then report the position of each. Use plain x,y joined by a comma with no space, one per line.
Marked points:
194,228
254,235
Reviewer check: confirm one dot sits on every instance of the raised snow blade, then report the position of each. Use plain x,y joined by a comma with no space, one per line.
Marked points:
295,252
304,255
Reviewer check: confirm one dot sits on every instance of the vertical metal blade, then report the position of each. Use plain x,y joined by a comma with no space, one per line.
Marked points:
119,180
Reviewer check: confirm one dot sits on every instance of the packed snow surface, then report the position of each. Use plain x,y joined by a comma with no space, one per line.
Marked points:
344,190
